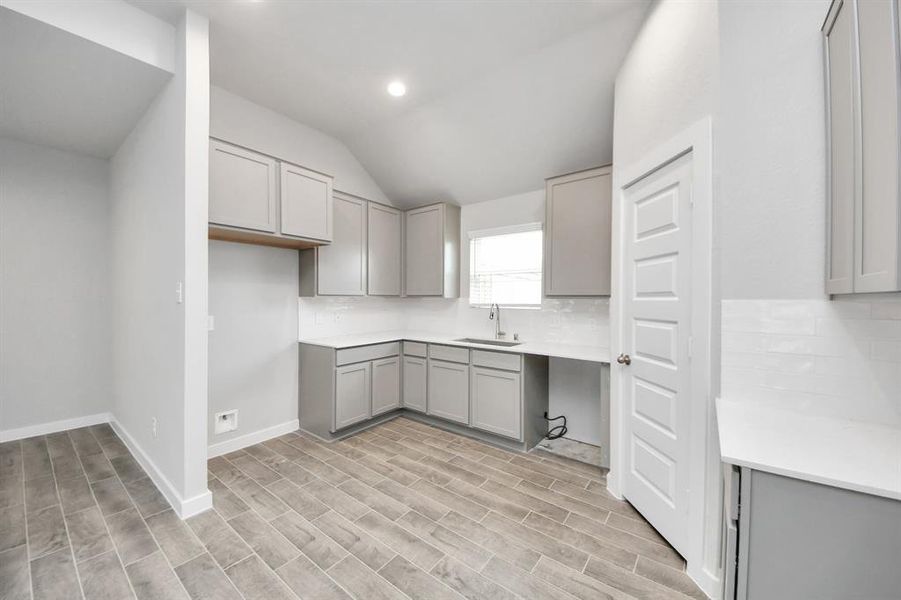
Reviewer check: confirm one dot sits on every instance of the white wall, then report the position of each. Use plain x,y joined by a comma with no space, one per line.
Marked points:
253,349
668,80
242,122
572,321
158,193
771,150
55,326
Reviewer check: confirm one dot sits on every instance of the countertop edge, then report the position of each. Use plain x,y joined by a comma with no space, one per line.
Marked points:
597,354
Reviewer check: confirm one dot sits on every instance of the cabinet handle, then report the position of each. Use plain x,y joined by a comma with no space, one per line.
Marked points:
624,359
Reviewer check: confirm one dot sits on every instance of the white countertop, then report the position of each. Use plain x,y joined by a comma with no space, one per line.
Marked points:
577,352
864,457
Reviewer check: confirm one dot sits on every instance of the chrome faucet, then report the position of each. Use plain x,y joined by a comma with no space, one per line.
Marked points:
495,315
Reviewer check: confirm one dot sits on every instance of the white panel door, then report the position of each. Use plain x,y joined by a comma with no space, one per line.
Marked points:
656,313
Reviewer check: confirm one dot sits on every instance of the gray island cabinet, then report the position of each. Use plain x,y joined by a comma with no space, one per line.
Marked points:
496,396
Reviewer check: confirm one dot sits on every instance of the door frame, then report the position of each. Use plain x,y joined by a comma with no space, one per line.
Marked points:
704,499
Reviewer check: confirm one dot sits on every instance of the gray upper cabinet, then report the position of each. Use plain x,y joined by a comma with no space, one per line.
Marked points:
306,203
385,385
432,251
243,190
384,250
338,269
864,209
449,391
577,234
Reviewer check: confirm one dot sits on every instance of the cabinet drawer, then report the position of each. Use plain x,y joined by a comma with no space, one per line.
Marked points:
497,360
449,353
361,353
416,349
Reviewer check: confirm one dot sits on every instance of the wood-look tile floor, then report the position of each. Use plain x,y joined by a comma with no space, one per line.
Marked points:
403,510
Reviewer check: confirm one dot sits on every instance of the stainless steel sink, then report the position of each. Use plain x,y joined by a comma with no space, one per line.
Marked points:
488,342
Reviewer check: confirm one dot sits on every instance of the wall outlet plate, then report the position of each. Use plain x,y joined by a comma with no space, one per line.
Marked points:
226,421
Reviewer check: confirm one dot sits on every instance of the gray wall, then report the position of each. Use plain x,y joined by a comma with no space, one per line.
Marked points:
253,349
55,326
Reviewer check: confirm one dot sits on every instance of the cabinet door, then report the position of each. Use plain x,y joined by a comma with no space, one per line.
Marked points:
242,188
384,250
577,234
424,251
876,242
497,402
306,203
449,391
841,119
352,394
385,385
415,387
341,265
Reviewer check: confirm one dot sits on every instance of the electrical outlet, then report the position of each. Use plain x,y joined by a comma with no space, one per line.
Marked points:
154,428
226,421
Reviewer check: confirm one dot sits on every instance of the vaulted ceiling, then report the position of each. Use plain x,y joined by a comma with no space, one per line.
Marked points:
501,94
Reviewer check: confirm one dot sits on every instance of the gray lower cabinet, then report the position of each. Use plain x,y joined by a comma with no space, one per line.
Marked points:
352,394
578,217
415,387
496,400
385,385
788,539
449,390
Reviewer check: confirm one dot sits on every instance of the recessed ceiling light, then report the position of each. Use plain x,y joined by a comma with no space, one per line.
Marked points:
397,88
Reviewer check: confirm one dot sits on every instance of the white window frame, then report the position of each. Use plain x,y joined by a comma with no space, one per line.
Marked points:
505,230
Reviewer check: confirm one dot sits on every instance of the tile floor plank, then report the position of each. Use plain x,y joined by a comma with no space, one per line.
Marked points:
53,577
256,581
75,494
204,580
577,539
348,507
445,540
376,500
546,545
14,579
298,499
415,582
352,538
362,583
103,578
450,500
575,583
87,532
111,496
225,501
413,499
46,531
175,538
469,583
153,579
521,582
315,544
268,543
408,545
12,527
502,546
131,536
309,582
221,541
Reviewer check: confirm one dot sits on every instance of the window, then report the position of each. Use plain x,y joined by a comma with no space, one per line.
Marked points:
505,266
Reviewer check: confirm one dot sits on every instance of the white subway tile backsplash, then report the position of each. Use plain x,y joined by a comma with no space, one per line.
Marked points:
837,358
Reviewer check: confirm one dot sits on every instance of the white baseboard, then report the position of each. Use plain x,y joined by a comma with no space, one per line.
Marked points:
8,435
249,439
183,507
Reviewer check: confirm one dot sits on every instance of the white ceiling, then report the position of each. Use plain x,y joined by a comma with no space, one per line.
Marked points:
64,91
501,94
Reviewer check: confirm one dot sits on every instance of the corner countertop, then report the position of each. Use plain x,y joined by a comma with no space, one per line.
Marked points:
854,455
598,354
